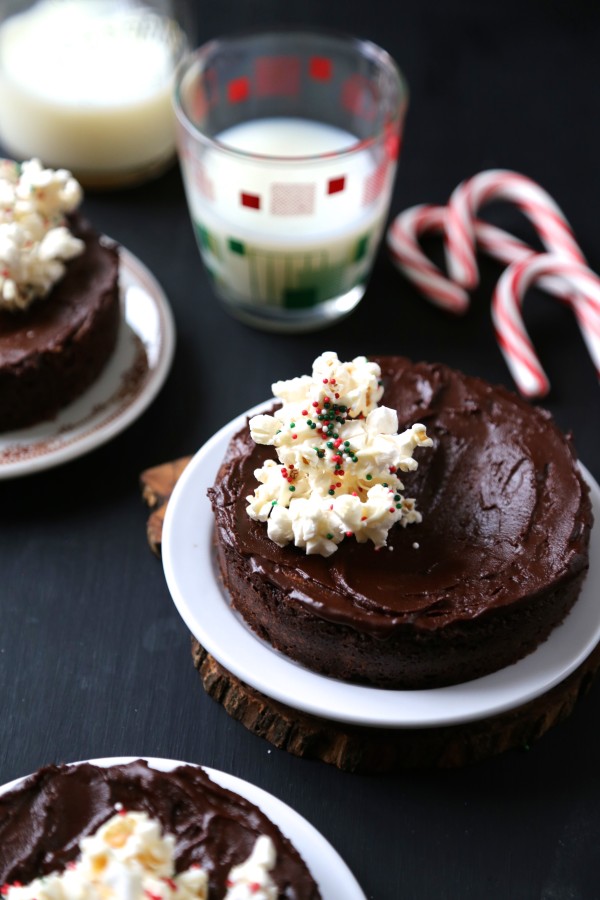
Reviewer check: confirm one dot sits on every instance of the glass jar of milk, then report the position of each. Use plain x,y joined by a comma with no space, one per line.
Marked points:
86,85
289,141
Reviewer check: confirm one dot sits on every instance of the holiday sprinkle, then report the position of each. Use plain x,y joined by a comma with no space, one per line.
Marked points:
339,455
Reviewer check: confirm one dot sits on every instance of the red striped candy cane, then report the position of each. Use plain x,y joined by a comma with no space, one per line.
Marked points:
403,239
511,333
501,184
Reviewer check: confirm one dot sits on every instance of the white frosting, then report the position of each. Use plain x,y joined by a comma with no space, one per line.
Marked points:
34,241
128,858
339,455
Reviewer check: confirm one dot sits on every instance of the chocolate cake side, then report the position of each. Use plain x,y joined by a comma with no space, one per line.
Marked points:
493,568
53,351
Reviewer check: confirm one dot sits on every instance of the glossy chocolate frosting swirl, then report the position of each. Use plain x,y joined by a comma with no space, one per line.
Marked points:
50,320
43,820
505,513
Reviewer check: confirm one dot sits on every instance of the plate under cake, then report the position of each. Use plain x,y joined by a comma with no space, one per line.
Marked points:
495,565
54,350
44,817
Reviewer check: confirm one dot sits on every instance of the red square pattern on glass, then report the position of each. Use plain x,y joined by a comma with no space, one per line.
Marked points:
198,105
374,183
202,181
238,89
335,185
293,199
252,201
358,96
320,68
277,76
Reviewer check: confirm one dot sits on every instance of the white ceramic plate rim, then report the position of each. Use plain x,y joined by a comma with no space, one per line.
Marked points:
77,429
203,605
329,870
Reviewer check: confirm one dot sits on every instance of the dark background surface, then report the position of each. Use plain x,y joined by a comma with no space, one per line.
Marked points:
94,659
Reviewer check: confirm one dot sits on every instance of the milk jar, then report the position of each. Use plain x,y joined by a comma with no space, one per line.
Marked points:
86,85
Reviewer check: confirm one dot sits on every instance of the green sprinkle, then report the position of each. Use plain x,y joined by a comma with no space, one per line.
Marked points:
369,477
329,537
292,488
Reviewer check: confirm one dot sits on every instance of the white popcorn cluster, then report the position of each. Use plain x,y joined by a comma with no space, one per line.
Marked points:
339,456
128,857
34,241
251,879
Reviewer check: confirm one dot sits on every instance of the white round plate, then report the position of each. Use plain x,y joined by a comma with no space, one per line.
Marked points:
326,866
127,385
204,606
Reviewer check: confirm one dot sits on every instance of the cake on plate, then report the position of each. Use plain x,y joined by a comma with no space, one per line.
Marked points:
427,541
59,295
129,830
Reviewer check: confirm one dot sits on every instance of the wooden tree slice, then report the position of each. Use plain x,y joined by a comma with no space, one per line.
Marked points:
157,486
358,749
361,749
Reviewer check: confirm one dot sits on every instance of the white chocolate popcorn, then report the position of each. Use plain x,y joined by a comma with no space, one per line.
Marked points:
34,242
339,454
251,879
128,858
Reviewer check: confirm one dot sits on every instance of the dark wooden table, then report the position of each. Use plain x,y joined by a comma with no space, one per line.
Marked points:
95,660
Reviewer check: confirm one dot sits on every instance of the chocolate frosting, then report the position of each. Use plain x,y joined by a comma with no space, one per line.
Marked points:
505,513
50,320
44,818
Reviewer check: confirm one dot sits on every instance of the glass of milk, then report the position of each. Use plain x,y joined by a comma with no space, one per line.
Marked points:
86,85
288,143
